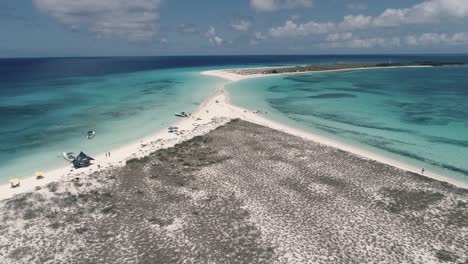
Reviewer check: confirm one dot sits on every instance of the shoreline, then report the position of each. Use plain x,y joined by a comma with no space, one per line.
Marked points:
119,155
231,76
215,111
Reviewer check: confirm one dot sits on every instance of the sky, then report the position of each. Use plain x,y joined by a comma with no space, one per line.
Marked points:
61,28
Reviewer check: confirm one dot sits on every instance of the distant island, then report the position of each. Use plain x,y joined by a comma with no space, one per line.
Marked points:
340,66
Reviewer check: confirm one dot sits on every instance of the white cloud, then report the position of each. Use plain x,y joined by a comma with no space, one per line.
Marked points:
339,36
241,24
347,40
291,29
260,36
133,20
363,43
357,6
187,29
274,5
213,38
257,38
427,12
429,39
355,22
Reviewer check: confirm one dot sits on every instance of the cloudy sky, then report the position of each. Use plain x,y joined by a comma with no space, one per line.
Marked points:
199,27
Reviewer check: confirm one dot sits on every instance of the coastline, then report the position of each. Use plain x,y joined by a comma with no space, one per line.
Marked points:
231,76
215,111
135,149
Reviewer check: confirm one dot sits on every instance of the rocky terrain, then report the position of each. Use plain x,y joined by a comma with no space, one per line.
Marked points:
242,193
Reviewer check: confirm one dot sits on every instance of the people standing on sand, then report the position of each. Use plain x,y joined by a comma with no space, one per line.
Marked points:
422,171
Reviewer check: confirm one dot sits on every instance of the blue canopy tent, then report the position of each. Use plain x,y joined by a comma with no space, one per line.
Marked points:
82,160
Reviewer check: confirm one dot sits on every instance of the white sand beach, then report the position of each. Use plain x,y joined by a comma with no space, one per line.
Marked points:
215,111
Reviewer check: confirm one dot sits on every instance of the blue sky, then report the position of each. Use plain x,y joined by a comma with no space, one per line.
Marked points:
35,28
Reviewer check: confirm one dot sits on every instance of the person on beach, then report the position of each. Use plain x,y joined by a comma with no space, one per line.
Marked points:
422,171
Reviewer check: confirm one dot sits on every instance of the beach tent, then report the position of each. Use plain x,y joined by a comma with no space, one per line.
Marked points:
82,160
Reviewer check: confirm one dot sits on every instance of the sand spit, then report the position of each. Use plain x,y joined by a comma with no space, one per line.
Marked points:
234,75
214,111
242,193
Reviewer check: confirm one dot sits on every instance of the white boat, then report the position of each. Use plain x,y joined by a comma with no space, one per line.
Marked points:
172,129
68,156
181,114
91,134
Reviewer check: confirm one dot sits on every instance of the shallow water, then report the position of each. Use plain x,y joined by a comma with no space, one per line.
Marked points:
48,104
53,116
415,115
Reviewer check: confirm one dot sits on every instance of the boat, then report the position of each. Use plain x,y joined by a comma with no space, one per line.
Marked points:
91,134
172,129
68,156
181,114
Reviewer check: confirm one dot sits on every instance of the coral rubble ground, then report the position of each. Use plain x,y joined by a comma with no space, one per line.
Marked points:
242,193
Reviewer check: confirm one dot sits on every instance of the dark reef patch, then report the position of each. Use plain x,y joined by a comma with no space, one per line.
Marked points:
332,96
358,90
448,141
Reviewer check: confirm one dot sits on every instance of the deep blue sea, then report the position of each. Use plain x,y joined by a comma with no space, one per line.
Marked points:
48,104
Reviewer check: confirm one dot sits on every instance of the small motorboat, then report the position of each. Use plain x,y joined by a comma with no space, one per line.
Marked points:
181,114
172,129
69,156
91,134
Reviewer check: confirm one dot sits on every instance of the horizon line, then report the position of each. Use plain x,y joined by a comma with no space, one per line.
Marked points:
237,55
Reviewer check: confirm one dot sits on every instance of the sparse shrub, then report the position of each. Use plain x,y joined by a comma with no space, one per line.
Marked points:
53,186
108,209
29,214
81,230
446,256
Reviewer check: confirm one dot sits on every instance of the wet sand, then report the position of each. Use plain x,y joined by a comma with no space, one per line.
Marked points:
242,193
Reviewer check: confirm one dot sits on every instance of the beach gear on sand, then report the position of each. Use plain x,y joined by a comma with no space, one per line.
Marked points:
172,129
39,174
15,182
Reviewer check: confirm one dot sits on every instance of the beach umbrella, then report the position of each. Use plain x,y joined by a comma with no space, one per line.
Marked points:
15,180
39,173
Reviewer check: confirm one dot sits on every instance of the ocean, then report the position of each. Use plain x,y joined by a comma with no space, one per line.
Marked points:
48,104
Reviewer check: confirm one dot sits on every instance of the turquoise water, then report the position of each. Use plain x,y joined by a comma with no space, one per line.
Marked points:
53,116
48,104
415,115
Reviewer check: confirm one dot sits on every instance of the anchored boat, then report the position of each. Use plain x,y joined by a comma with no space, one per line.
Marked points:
181,114
91,134
68,156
